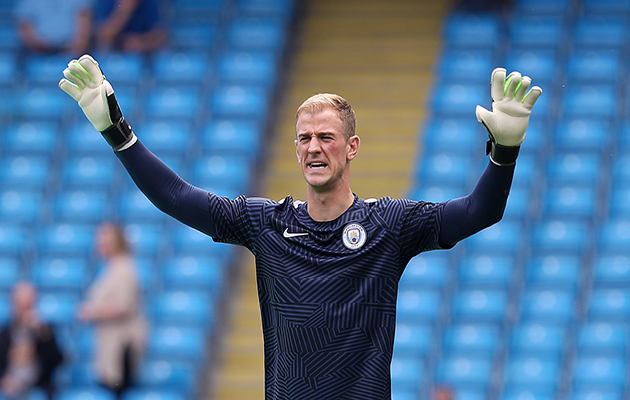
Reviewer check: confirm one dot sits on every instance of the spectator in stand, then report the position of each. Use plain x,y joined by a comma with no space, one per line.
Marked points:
133,25
28,349
114,305
54,26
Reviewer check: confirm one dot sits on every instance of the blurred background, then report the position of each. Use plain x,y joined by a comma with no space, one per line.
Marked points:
536,307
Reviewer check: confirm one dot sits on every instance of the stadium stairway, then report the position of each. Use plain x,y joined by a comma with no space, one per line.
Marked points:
379,56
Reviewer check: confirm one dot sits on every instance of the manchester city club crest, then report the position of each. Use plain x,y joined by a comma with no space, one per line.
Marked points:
354,236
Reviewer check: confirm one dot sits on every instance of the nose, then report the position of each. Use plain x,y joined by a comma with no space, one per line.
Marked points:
314,146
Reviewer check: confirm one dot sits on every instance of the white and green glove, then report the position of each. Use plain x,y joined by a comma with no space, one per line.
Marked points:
511,108
84,81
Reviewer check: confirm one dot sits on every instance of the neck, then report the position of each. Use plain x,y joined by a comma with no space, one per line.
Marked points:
327,206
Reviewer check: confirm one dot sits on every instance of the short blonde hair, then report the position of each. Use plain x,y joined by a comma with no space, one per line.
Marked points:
319,102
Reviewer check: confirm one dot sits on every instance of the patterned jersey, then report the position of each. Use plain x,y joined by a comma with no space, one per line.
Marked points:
327,290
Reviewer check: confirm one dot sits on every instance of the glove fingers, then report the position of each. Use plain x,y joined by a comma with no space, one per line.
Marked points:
486,117
70,88
530,98
522,88
496,84
74,78
512,81
91,69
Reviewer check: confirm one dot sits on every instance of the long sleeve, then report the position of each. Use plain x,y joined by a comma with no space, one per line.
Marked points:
483,207
167,190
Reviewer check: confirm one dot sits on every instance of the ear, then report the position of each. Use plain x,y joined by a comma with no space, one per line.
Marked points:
353,147
296,150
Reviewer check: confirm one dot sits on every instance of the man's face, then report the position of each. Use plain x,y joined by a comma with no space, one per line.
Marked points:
322,150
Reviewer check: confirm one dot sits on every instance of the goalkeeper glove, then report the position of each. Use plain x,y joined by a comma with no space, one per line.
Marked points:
84,81
511,108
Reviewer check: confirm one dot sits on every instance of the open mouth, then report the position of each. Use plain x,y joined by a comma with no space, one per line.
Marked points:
317,165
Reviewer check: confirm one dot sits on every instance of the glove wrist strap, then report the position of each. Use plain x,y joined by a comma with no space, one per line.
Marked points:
119,134
500,155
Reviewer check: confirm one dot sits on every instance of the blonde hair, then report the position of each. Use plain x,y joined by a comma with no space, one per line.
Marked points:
120,240
319,102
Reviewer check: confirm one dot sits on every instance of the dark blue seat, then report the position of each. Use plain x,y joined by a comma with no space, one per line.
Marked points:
256,34
195,36
587,393
83,138
227,171
145,237
600,32
9,274
45,70
166,136
502,238
452,134
121,68
58,308
574,167
536,32
443,168
406,372
541,66
86,392
42,103
134,206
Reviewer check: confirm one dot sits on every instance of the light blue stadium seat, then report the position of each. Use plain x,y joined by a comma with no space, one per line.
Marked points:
519,203
466,65
42,103
222,171
615,234
77,238
8,108
31,137
45,70
183,67
538,137
83,374
14,239
621,175
482,339
134,206
243,101
418,306
543,7
198,7
590,100
24,172
191,308
551,305
88,171
171,375
608,304
536,32
256,34
503,237
186,36
266,7
85,393
9,273
611,268
487,270
604,371
403,393
596,393
444,168
173,102
20,205
472,30
452,134
436,192
519,392
413,339
174,342
620,200
426,270
541,66
602,337
606,7
560,235
248,67
121,68
60,273
8,67
558,271
5,308
406,373
480,305
530,371
574,167
542,338
600,32
527,171
458,99
460,370
85,342
186,239
57,308
84,138
145,238
152,394
166,136
232,137
570,201
82,205
186,272
582,134
594,66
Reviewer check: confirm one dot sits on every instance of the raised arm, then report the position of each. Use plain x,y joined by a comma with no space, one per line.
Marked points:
84,81
506,125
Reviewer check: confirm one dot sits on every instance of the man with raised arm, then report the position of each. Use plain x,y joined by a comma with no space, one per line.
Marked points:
328,268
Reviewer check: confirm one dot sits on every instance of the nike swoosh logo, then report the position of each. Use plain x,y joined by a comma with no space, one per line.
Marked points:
288,234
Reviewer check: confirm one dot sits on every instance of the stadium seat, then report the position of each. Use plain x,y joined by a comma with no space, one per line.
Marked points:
596,370
24,172
554,271
541,66
611,269
436,192
595,393
67,274
570,201
8,67
538,338
22,206
14,239
503,238
518,392
480,305
168,375
574,167
32,137
240,101
173,102
45,70
594,66
590,100
184,308
42,103
459,99
426,270
144,238
82,205
560,235
57,308
88,171
600,33
620,173
232,137
590,134
551,305
466,370
197,36
608,304
606,7
453,135
83,374
527,172
416,306
536,32
182,67
10,272
186,272
444,168
413,339
198,7
530,371
5,308
64,238
472,30
543,7
248,67
152,394
83,138
486,270
519,204
256,34
615,234
282,8
406,373
620,200
166,136
481,339
230,171
602,338
463,65
177,343
121,68
134,206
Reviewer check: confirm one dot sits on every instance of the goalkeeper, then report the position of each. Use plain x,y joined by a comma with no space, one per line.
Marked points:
327,269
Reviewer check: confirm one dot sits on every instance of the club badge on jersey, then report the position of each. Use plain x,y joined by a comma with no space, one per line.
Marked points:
354,236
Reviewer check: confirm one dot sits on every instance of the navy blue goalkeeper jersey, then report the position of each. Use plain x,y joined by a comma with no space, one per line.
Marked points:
328,290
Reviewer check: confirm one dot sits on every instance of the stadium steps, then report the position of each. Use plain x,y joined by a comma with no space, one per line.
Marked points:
378,55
